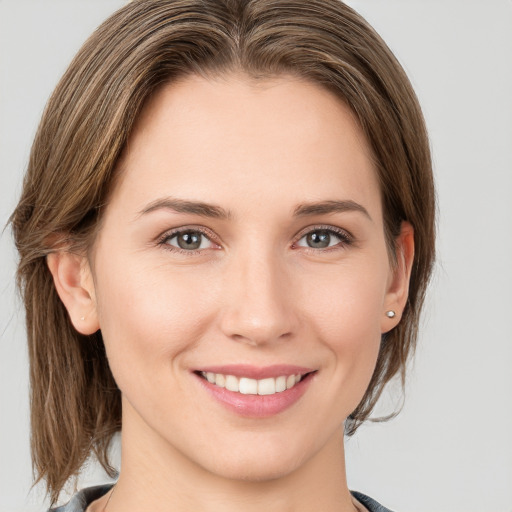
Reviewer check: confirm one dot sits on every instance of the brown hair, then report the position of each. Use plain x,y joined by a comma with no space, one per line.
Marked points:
75,403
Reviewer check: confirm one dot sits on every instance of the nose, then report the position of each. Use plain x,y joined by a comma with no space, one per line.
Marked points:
258,301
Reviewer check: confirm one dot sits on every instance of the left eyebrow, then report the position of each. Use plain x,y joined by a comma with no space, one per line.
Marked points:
324,207
185,206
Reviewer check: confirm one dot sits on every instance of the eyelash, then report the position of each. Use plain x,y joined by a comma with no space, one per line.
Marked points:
346,239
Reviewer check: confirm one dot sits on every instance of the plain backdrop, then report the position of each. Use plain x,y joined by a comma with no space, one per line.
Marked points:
451,447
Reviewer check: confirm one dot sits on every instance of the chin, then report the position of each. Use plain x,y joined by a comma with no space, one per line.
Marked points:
250,472
259,466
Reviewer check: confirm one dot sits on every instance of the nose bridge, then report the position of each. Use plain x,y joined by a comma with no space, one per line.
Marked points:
258,308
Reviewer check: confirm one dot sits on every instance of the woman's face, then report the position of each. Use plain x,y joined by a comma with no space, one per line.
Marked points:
244,239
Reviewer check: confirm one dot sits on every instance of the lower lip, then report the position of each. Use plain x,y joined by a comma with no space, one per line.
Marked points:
257,406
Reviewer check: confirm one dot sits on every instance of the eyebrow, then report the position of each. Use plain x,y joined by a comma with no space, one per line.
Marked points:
325,207
184,206
217,212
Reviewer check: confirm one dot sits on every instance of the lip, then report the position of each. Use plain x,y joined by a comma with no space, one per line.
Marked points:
257,406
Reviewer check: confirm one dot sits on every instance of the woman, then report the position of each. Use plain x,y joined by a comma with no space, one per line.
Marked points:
225,233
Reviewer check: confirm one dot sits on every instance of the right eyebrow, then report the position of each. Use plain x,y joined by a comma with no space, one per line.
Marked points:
184,206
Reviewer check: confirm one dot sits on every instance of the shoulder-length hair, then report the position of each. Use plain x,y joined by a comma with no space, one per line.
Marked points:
75,403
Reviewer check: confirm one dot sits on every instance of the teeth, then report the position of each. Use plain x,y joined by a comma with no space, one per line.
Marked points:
266,386
232,383
280,384
248,386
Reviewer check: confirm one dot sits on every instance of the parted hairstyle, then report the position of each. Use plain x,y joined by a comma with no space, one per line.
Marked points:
75,403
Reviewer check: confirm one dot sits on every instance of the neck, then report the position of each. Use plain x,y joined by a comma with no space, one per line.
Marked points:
156,476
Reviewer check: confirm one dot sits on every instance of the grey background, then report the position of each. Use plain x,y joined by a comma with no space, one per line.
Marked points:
451,447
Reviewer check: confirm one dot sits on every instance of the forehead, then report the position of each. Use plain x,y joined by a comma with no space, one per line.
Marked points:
233,137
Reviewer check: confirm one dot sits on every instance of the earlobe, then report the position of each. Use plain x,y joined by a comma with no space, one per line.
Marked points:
73,281
398,288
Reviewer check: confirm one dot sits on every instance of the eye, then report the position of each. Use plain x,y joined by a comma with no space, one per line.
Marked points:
187,240
324,238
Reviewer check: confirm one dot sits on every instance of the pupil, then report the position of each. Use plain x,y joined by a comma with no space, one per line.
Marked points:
319,239
189,240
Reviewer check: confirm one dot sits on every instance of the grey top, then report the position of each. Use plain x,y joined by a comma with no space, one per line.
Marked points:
82,499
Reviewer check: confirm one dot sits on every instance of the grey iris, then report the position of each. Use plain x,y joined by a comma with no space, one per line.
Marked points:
319,239
189,240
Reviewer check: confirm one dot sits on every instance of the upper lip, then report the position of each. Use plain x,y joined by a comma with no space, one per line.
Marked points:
256,372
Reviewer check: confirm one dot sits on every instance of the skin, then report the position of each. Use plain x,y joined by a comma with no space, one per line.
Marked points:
255,293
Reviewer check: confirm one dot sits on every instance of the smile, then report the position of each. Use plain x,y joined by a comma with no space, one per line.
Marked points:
248,386
255,391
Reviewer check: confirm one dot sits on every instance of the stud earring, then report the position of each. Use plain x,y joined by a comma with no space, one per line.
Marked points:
82,318
390,314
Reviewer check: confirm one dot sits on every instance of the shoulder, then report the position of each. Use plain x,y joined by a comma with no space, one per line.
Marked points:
369,503
82,499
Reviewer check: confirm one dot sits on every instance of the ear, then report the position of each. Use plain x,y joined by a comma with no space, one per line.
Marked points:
398,286
74,283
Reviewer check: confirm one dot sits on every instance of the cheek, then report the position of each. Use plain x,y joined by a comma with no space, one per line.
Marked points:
148,318
346,315
347,303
